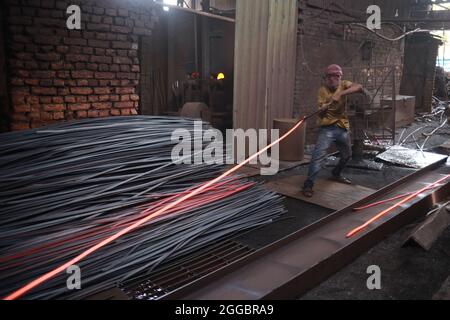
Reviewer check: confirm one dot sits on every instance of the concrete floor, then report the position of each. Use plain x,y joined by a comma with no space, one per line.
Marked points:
407,273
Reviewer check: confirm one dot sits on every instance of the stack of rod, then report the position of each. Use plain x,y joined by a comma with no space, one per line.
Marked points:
65,188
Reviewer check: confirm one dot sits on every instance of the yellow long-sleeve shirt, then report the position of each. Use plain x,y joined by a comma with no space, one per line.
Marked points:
336,114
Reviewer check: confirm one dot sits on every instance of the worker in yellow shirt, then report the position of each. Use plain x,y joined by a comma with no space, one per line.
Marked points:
334,126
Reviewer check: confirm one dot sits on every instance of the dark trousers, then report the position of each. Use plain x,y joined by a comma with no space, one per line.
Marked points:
327,136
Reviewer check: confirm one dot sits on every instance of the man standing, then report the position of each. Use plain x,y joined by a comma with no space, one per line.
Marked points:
334,126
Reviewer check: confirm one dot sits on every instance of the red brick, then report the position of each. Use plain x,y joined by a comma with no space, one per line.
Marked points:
135,68
32,82
107,20
58,115
63,91
93,114
32,99
54,107
104,75
122,60
100,51
80,65
103,98
57,65
124,68
46,39
125,97
83,83
125,112
102,90
82,74
101,59
102,105
111,12
81,114
98,27
96,19
88,50
77,58
81,90
45,100
62,49
114,68
121,105
46,116
59,83
43,74
46,82
63,74
21,108
48,56
75,41
134,97
81,99
120,29
142,31
79,106
124,75
92,66
58,99
93,98
115,112
121,45
70,99
104,67
98,10
98,43
43,91
17,82
104,113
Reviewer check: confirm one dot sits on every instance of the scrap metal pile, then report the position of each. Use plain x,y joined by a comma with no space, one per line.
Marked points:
65,188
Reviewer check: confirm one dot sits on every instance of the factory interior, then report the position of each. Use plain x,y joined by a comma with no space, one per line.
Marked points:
168,150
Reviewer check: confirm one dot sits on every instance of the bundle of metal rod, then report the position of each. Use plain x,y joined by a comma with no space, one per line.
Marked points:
70,186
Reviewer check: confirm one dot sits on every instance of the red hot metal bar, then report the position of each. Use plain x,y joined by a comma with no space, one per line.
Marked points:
385,212
391,199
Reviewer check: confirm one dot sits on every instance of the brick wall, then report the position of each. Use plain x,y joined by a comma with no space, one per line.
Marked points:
321,42
60,74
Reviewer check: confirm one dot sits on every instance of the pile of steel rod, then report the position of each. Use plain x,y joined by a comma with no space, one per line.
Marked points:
67,187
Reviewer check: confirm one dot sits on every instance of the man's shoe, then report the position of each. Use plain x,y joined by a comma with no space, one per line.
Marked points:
342,179
308,192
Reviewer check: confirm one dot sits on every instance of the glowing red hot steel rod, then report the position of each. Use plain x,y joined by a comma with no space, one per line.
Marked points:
23,290
385,212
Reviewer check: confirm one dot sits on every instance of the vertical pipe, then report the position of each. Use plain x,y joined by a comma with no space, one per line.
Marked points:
394,104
